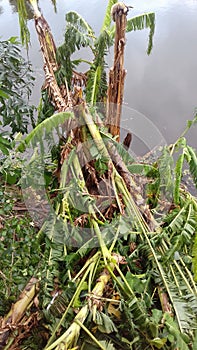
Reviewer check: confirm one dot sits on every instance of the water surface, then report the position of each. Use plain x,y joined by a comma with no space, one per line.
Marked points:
162,86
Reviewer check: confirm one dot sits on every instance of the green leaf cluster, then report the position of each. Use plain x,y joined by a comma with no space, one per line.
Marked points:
16,81
19,248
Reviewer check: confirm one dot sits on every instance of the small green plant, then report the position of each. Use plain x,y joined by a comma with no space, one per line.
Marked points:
19,248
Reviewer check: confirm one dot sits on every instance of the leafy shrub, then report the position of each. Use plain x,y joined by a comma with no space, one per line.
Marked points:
16,81
19,247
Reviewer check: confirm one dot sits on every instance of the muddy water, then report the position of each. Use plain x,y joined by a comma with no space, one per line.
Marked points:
162,87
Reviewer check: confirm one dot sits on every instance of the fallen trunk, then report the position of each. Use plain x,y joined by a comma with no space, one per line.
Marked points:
11,321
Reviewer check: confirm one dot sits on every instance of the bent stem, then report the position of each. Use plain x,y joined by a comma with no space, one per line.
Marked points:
70,337
90,334
49,346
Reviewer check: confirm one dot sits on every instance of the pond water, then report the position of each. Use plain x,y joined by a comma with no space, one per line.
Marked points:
162,86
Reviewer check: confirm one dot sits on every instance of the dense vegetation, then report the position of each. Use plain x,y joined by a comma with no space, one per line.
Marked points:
98,249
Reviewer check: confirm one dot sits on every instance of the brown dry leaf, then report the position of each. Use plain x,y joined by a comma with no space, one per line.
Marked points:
94,329
81,220
112,310
132,247
36,301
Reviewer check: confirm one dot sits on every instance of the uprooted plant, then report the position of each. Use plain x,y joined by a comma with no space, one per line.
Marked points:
117,235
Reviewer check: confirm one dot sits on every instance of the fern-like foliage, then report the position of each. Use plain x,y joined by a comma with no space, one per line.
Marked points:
146,20
172,249
177,281
180,230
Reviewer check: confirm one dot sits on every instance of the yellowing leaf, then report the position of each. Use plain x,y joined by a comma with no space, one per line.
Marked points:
113,311
158,343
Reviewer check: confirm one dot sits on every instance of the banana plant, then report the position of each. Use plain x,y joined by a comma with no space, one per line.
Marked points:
79,34
141,259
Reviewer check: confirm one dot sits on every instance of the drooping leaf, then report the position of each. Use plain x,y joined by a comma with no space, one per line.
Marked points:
192,122
193,164
47,126
24,31
78,35
178,177
105,324
143,21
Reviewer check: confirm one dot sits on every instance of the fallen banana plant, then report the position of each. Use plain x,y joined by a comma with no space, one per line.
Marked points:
70,337
12,320
103,219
